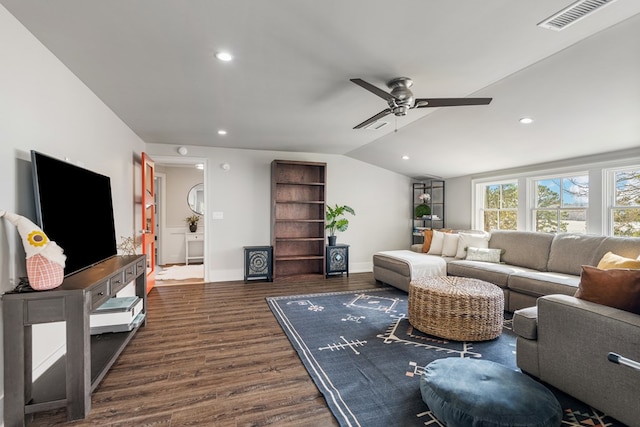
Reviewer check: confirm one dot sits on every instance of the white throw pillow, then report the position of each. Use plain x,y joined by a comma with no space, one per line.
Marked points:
450,245
436,243
483,254
480,240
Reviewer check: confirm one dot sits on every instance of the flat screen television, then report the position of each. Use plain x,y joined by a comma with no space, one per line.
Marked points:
74,208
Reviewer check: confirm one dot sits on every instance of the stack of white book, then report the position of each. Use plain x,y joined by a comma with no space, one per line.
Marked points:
117,315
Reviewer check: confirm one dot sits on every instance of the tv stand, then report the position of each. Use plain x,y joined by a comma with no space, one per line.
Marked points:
88,358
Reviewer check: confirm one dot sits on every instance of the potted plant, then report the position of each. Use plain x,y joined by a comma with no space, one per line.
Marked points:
336,220
423,209
192,222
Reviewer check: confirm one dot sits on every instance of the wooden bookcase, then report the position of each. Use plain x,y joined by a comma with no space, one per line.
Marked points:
298,218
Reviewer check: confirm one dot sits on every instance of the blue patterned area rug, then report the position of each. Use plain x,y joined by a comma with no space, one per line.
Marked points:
366,358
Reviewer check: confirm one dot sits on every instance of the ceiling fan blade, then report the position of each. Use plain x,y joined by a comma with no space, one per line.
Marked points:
378,116
373,89
449,102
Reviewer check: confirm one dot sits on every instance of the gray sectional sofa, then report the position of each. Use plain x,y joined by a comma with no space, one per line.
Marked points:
532,264
562,340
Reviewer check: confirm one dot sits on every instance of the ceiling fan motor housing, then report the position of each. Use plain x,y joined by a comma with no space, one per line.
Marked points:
403,96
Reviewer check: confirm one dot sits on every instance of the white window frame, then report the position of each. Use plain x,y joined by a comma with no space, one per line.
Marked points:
532,191
609,195
478,200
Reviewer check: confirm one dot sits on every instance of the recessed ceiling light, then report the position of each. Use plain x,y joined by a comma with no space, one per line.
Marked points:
526,120
222,132
405,157
224,56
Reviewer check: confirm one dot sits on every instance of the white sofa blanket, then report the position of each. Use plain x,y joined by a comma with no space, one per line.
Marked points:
420,265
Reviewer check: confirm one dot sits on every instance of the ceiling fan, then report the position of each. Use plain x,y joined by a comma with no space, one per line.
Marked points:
401,99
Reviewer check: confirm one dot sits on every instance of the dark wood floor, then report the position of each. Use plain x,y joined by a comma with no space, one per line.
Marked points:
212,355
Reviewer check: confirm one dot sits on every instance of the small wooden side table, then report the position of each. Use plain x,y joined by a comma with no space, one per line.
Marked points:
258,263
337,260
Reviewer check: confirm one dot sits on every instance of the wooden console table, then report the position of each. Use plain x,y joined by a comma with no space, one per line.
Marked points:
87,359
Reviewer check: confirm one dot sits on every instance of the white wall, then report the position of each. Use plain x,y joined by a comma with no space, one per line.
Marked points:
44,107
380,198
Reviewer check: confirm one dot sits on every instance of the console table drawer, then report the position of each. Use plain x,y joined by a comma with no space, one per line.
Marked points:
129,273
99,294
140,266
116,282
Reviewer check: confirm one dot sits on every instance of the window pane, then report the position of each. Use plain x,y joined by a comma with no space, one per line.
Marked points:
548,193
492,197
508,220
575,192
627,188
490,220
573,221
626,222
547,221
509,196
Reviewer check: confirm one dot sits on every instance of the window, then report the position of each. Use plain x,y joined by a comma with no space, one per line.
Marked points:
500,206
561,204
626,203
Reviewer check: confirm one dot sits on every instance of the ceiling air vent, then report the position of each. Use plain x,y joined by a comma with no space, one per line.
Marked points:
573,13
376,125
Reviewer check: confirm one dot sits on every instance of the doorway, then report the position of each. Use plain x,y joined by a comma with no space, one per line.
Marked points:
181,254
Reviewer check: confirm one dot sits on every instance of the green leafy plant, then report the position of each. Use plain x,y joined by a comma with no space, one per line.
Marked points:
192,220
423,209
336,220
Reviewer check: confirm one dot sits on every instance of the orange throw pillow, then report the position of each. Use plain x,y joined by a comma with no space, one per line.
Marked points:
618,288
428,236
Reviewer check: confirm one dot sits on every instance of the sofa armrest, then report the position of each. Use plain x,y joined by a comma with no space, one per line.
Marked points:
574,340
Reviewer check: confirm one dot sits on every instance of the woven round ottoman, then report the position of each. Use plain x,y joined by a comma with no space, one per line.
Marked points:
479,393
456,308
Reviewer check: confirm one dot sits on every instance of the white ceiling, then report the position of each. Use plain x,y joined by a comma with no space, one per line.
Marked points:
152,62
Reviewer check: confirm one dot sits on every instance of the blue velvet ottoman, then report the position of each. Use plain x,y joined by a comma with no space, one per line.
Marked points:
479,393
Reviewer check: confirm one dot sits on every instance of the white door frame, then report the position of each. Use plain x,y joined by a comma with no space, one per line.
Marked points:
165,160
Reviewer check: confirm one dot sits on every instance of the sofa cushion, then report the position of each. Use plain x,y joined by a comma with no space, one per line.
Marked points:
426,244
627,247
450,244
523,248
491,272
539,283
437,242
467,240
569,252
611,260
483,254
525,322
618,288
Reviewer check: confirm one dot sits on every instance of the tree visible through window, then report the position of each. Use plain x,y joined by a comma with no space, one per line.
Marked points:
561,204
500,210
626,208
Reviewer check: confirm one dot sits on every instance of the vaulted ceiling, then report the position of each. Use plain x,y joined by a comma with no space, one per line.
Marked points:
287,88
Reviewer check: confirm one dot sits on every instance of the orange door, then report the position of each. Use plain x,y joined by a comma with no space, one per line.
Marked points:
149,219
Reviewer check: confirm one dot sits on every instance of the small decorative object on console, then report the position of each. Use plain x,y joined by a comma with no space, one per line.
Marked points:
192,221
45,259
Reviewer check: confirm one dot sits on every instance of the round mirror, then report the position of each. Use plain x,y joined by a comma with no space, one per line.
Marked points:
195,199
